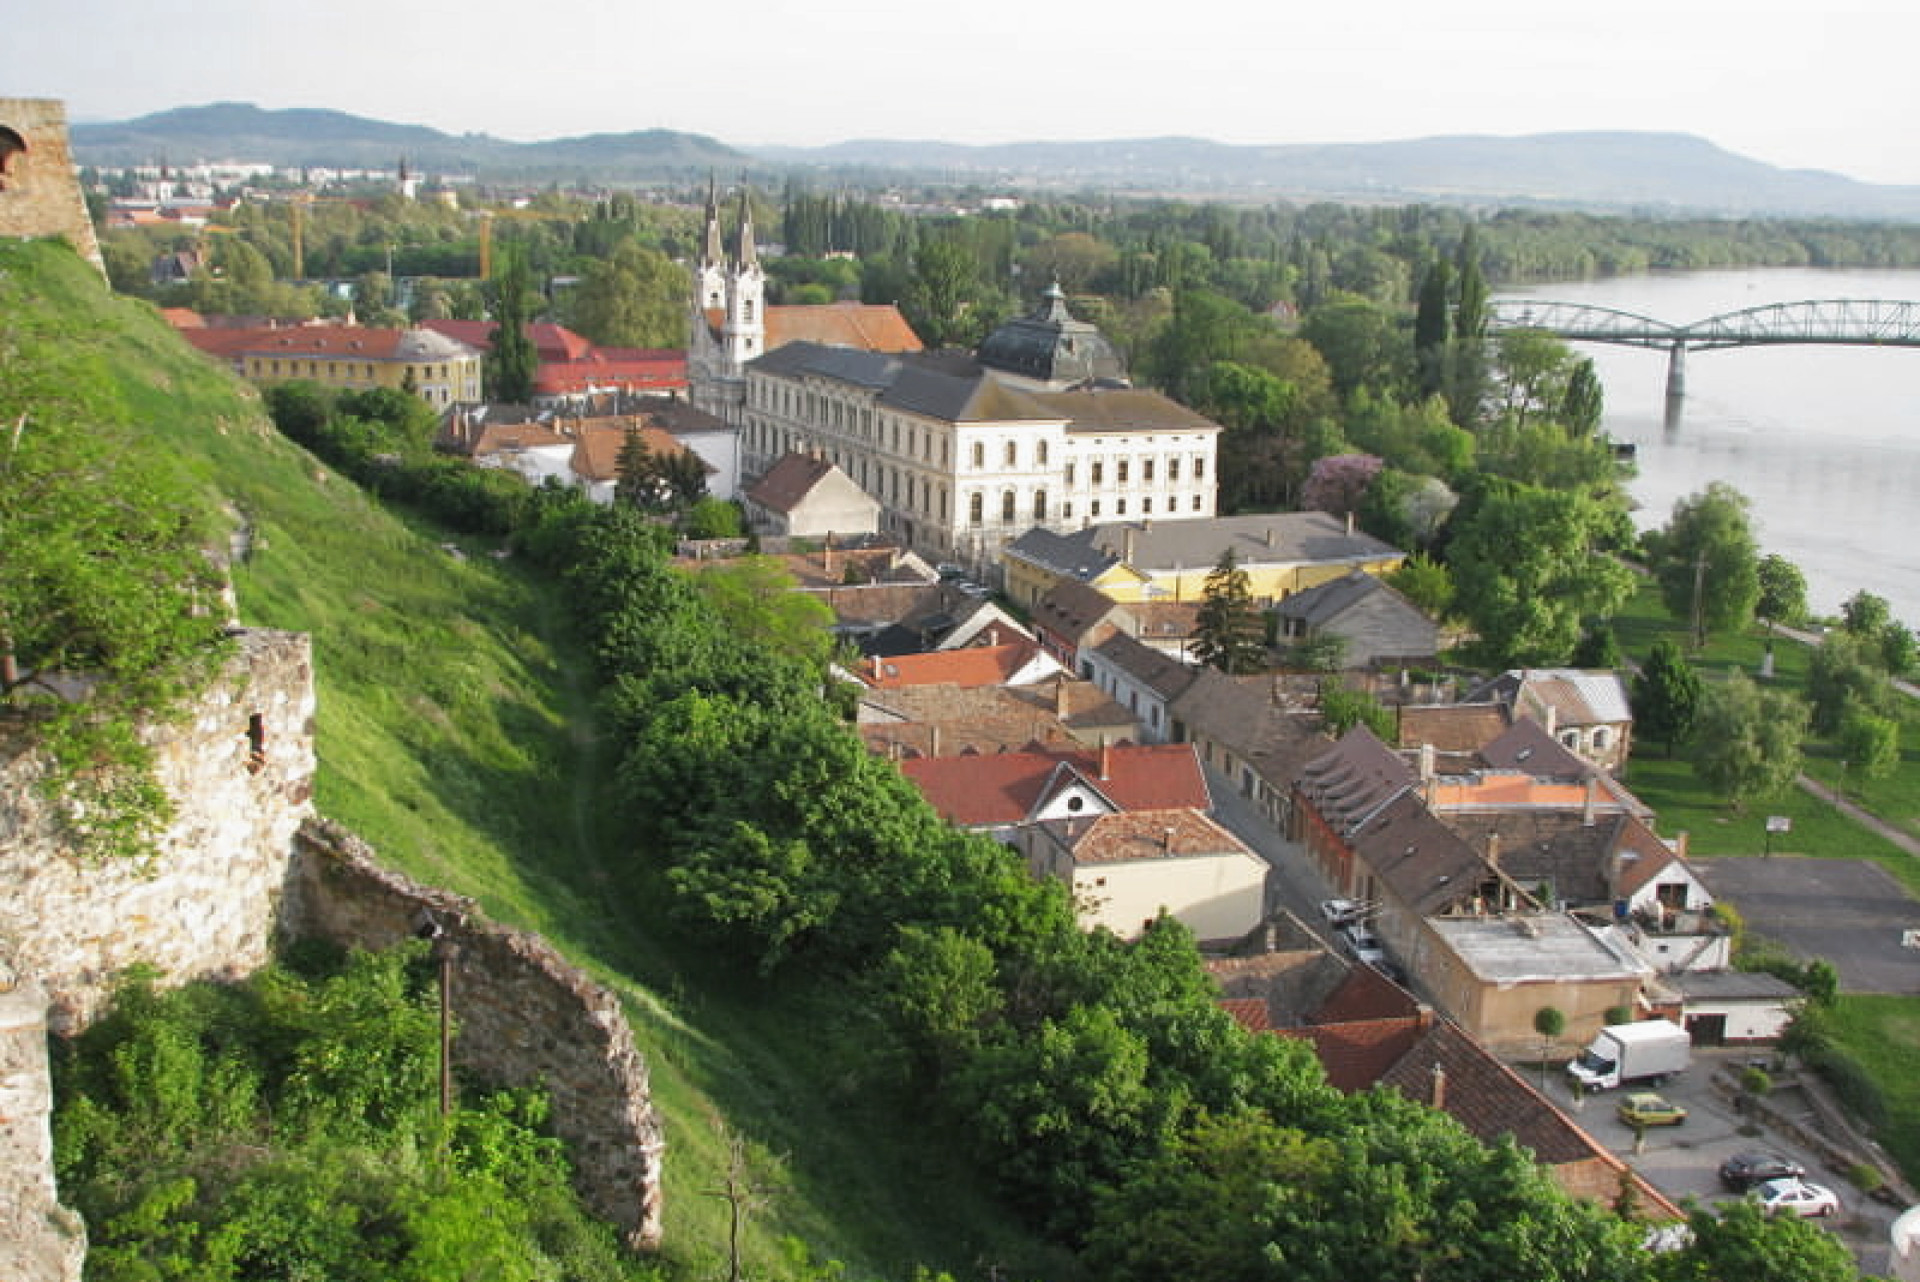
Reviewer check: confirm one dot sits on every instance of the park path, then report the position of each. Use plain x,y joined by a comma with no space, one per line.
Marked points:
1831,796
1866,819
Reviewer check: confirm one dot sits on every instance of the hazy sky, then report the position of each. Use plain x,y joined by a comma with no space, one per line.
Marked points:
1804,85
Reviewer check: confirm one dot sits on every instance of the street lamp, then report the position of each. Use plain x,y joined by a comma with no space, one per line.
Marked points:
444,952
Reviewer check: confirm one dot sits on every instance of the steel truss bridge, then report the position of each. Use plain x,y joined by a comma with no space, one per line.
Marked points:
1833,321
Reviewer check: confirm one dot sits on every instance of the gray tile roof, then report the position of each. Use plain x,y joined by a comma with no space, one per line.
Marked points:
1068,555
1283,538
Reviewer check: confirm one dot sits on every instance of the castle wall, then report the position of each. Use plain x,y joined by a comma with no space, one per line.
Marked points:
39,188
243,862
239,768
521,1012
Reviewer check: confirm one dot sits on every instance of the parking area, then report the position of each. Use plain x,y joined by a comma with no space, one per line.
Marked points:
1849,911
1683,1161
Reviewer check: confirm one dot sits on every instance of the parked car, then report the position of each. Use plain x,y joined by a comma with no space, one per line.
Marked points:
1363,944
1756,1166
1644,1108
1339,912
1797,1197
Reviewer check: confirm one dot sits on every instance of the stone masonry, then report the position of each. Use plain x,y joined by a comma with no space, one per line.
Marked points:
243,862
523,1014
39,190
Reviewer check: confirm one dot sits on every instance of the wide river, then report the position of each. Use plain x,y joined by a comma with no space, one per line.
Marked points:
1825,441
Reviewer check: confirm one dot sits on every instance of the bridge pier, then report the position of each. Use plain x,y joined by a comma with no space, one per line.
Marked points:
1677,372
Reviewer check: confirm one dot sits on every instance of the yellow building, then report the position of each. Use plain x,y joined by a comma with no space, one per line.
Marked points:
437,369
1281,553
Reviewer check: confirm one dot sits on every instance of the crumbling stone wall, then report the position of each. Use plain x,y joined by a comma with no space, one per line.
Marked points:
522,1014
39,188
40,1240
243,862
239,768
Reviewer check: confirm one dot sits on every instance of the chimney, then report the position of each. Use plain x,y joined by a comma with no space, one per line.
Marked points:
1128,558
1587,804
1106,758
1493,848
1060,697
993,637
1269,536
933,739
1426,761
1553,720
1166,840
1437,1097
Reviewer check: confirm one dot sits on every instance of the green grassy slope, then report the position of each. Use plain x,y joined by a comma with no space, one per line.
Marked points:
455,734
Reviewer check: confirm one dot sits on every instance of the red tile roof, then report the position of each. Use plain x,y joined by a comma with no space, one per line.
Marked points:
1005,788
986,665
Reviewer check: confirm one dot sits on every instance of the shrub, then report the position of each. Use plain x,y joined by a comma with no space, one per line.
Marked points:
1756,1081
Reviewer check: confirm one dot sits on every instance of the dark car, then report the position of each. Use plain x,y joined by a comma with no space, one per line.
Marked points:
1744,1170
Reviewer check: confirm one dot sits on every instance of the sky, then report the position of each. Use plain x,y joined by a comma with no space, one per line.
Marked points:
1800,86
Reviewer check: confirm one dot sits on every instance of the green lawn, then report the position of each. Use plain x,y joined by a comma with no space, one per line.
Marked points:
1882,1035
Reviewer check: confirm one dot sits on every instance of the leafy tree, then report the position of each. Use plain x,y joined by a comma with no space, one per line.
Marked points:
1599,648
510,364
1357,338
1467,372
1666,695
1228,631
634,297
1746,740
1528,569
1432,326
1897,649
712,518
1425,582
1341,709
1708,568
1583,404
1338,484
945,291
1740,1240
1865,614
637,480
1843,673
1869,743
755,601
1783,590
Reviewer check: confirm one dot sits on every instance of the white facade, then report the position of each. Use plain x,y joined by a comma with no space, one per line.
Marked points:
1215,896
960,489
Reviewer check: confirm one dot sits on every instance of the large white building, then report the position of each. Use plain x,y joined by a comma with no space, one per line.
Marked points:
965,453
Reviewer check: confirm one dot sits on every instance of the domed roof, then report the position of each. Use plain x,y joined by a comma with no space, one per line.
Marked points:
1049,346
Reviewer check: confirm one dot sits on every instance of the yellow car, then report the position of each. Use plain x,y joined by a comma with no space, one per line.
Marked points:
1644,1108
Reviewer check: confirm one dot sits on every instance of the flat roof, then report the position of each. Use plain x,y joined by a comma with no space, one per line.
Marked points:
1536,948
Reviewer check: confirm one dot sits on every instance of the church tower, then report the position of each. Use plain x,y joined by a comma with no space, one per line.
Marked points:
710,266
744,333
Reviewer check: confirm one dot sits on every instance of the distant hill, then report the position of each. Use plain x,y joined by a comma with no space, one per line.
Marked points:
1649,173
301,137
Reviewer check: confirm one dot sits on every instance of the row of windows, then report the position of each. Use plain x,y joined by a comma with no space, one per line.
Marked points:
1123,472
976,507
1010,455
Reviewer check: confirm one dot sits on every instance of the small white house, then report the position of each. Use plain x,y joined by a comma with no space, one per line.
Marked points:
1126,869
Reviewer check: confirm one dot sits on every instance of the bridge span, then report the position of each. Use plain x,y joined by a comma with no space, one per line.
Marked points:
1851,322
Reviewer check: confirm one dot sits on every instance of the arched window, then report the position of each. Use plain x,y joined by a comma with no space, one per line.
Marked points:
1098,467
1006,507
979,455
1013,454
1039,453
11,144
976,508
1121,471
1039,505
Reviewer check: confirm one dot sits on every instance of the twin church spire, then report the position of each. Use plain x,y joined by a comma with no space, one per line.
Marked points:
733,285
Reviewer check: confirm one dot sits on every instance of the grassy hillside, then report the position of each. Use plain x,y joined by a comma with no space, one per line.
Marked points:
455,733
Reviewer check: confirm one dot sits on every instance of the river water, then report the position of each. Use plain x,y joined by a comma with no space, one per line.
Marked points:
1825,441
